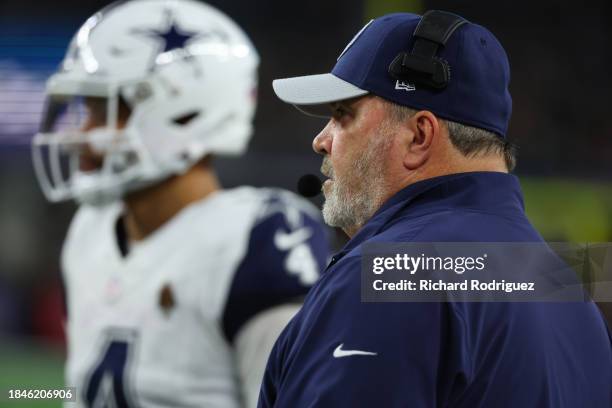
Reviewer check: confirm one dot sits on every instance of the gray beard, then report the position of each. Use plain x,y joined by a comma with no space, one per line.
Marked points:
351,202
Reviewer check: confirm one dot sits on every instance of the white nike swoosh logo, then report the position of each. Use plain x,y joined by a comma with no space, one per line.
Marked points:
286,240
338,352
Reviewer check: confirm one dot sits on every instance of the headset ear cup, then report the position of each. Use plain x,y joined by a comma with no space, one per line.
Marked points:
395,68
441,75
407,64
431,72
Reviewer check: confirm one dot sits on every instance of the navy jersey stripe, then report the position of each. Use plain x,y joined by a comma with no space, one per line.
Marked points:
264,278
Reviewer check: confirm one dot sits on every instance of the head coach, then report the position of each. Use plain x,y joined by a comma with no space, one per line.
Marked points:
415,151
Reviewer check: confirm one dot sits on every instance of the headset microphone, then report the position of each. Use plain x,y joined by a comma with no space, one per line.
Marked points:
309,185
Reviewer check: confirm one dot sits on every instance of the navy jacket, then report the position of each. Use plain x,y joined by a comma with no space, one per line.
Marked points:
439,354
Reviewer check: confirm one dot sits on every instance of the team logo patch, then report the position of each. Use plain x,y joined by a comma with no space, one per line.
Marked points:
166,299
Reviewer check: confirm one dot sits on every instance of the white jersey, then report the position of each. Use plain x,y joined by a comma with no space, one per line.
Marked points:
154,328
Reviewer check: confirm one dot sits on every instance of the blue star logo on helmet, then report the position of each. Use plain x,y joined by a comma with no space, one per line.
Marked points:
173,36
170,38
174,41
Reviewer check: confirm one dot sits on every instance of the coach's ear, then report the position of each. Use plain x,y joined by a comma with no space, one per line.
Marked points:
420,131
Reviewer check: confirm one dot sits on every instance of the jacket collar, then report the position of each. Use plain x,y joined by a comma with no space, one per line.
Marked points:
493,192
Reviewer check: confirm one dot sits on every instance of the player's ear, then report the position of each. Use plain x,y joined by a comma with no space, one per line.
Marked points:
419,132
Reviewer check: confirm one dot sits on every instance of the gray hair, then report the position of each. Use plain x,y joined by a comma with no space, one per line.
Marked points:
470,141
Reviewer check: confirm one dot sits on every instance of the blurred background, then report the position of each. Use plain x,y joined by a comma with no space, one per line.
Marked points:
560,54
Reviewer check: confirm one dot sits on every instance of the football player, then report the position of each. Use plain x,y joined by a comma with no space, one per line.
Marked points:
176,289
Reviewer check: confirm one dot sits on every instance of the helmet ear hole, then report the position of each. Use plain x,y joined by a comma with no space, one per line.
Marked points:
186,118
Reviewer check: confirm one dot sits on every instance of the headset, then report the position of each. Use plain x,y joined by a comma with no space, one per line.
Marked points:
421,65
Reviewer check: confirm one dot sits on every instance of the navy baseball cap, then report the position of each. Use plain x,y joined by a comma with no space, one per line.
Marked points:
478,74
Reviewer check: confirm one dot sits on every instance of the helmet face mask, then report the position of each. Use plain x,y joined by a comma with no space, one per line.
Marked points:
83,151
186,74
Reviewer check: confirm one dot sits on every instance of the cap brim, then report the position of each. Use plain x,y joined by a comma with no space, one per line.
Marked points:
315,89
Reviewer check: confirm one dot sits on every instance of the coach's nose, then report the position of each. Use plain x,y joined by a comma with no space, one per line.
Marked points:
322,143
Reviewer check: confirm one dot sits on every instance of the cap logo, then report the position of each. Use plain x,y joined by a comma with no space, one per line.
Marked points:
354,39
406,86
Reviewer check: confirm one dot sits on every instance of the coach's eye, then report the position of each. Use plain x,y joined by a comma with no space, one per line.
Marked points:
339,112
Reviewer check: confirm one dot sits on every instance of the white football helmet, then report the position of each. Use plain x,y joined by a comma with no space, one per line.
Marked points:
187,72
